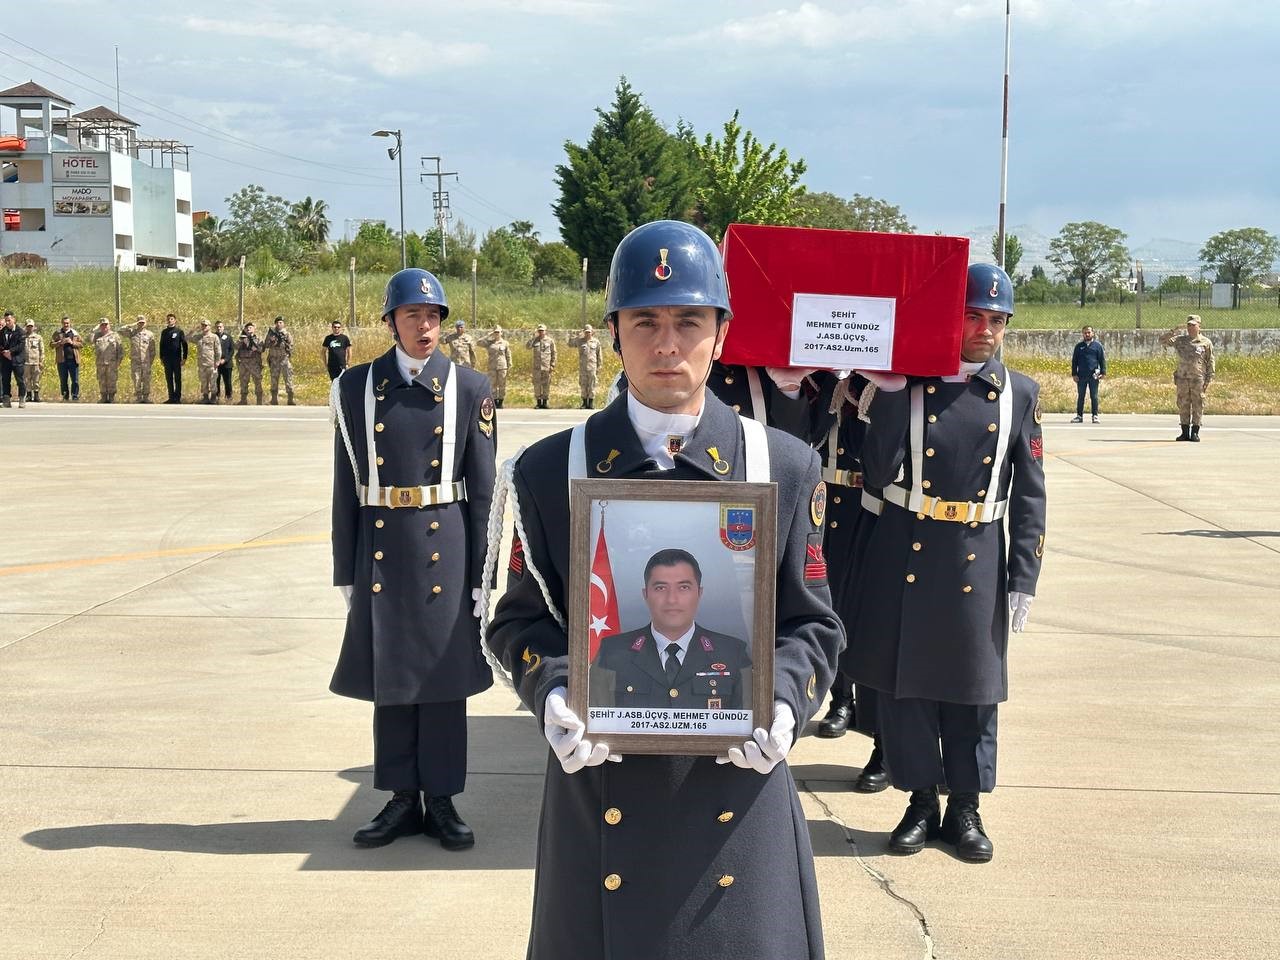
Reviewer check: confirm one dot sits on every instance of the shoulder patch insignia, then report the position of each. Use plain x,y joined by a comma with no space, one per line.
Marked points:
639,644
719,666
815,562
516,564
1040,547
818,503
1037,448
486,408
532,659
1036,414
485,427
707,645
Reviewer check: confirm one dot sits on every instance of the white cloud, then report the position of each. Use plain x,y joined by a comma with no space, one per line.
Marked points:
397,54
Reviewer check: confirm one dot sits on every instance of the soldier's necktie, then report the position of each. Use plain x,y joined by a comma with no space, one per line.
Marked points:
673,661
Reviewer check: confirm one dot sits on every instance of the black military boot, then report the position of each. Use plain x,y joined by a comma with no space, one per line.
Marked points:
962,828
1195,433
838,718
401,817
873,777
918,824
1186,432
444,824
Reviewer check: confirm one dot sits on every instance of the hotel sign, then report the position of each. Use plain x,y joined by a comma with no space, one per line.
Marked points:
81,168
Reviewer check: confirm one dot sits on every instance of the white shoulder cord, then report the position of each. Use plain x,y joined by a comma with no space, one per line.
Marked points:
335,408
756,450
1002,441
758,411
504,487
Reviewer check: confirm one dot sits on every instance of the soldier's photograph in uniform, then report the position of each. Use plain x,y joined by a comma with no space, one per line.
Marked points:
672,619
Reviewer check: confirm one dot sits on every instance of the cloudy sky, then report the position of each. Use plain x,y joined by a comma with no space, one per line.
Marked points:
1155,117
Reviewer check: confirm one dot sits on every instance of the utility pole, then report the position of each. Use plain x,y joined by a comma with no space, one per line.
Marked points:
1004,142
439,198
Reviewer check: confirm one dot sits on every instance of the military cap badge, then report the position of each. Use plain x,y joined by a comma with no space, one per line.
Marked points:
663,270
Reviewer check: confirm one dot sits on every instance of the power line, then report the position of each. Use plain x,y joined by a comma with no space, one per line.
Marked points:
206,130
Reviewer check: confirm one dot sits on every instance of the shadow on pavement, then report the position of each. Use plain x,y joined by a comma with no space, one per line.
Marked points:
1220,534
502,807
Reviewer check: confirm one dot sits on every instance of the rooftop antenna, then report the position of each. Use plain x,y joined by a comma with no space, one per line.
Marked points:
117,78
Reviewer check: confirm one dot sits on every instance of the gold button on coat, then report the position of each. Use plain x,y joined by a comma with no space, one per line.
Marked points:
435,463
968,589
674,692
612,882
919,516
840,451
986,459
911,578
737,408
916,546
613,816
926,484
378,427
726,880
991,395
377,555
973,523
435,524
435,558
377,588
379,524
726,816
437,588
835,499
728,381
971,557
834,524
933,418
380,461
991,428
931,389
982,493
439,430
929,452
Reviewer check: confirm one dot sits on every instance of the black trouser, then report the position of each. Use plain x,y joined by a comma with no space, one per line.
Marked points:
9,371
335,372
1091,384
173,378
929,742
421,746
69,380
224,378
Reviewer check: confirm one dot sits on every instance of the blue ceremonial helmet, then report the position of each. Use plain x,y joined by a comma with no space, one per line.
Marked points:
666,263
989,289
414,286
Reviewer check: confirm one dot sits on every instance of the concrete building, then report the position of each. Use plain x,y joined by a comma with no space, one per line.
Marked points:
82,190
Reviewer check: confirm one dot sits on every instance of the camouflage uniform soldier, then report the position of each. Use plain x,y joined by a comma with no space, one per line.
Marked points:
279,358
108,351
33,366
462,348
499,364
249,363
208,353
544,363
590,360
1193,374
142,354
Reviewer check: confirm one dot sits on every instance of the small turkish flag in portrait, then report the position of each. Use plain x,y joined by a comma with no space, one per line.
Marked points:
604,599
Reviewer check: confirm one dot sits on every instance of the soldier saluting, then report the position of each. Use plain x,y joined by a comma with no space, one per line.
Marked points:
940,586
413,478
636,859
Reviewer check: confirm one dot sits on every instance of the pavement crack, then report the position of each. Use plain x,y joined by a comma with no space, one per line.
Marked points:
878,878
123,901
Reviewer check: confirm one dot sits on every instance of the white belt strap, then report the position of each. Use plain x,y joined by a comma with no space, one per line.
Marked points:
758,411
450,425
917,448
756,444
1002,441
578,452
872,504
833,443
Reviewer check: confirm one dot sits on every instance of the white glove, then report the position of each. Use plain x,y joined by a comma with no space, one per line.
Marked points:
347,591
1019,609
888,382
478,596
564,731
788,379
768,748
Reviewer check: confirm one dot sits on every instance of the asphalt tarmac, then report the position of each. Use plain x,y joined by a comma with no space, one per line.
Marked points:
177,781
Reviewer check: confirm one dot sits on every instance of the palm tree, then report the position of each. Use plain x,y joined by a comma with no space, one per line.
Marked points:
309,221
210,244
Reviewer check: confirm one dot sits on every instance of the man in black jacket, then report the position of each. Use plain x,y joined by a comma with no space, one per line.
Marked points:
1088,366
173,354
13,354
228,345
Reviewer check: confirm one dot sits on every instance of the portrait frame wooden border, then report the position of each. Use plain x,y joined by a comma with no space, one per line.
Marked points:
764,498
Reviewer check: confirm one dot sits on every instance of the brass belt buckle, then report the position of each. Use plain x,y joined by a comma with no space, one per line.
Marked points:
404,497
956,511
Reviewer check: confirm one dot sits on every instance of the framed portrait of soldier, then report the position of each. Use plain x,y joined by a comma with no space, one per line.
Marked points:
671,612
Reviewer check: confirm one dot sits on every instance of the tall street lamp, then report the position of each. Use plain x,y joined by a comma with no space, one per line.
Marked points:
397,153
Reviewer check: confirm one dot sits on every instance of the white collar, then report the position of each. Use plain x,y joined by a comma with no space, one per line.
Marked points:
664,642
409,366
967,370
653,428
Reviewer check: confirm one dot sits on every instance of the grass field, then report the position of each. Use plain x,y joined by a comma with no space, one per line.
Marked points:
320,298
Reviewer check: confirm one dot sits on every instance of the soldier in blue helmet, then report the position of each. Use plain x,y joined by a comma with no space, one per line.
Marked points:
669,856
412,481
941,586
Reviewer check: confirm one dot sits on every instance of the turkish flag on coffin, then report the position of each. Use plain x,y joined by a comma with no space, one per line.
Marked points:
842,299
